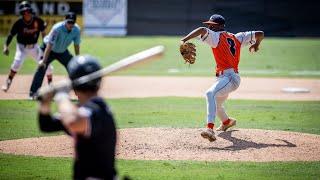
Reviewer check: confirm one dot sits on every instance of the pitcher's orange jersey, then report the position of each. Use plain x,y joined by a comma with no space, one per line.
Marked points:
227,52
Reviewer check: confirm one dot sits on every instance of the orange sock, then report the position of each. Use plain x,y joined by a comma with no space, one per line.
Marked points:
210,125
226,122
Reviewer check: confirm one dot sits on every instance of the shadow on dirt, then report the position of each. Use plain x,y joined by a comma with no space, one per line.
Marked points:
240,144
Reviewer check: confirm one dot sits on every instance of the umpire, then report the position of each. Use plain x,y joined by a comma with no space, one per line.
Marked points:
55,46
90,123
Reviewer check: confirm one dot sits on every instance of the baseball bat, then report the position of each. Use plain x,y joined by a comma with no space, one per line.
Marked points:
130,61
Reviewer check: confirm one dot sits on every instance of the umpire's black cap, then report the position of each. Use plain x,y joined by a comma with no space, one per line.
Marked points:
71,17
216,19
83,65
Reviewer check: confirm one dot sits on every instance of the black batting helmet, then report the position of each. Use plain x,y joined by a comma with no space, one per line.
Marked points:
24,6
83,65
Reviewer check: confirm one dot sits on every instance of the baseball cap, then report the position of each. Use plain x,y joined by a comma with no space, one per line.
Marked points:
215,19
71,17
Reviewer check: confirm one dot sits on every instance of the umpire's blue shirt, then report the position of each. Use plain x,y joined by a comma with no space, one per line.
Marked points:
61,38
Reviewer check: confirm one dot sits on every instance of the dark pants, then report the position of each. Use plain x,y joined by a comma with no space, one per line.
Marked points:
63,58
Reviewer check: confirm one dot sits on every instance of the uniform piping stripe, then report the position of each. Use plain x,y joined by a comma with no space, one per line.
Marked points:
206,36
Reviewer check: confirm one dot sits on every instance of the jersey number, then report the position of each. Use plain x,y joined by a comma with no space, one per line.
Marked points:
232,46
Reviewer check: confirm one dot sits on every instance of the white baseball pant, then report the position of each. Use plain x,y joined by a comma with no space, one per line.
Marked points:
22,51
217,94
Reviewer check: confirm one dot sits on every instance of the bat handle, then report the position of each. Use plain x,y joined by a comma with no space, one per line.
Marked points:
65,85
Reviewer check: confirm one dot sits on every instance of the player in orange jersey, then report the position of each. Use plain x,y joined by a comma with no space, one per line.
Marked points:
226,51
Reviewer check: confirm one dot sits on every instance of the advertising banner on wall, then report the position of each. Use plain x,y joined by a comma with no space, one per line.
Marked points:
51,11
105,17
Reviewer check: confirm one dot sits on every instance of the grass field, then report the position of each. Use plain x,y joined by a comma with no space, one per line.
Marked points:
278,57
24,167
168,112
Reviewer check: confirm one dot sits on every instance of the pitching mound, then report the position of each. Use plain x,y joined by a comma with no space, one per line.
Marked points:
186,144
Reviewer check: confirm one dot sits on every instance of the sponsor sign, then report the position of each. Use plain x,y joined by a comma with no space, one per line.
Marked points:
105,17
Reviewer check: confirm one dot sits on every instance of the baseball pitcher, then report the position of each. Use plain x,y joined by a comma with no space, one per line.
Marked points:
27,28
226,51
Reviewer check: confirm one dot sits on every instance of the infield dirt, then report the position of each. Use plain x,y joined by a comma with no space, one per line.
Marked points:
139,87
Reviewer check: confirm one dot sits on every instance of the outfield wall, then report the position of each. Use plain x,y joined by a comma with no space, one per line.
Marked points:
176,17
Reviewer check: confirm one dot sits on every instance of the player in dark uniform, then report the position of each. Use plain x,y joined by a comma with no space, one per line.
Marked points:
90,123
27,28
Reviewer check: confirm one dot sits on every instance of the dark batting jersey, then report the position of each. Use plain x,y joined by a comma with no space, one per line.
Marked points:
27,32
95,151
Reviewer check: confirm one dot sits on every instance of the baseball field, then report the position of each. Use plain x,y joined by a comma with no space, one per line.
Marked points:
160,108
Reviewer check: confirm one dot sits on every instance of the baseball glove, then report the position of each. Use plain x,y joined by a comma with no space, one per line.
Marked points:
188,52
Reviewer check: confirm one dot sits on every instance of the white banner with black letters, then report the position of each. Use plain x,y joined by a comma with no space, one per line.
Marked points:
105,17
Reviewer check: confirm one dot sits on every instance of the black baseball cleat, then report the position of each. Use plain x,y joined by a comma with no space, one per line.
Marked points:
7,85
32,96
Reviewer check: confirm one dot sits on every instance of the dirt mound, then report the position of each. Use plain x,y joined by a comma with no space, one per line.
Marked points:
186,144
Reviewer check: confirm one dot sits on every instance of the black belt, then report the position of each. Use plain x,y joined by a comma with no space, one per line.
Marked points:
219,73
28,45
